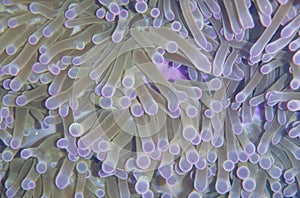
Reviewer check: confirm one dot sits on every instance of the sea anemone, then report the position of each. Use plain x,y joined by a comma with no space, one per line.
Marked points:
149,98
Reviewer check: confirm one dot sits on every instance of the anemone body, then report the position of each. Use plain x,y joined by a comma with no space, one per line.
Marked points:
157,98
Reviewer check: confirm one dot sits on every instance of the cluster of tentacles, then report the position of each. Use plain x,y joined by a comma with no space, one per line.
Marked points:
149,98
